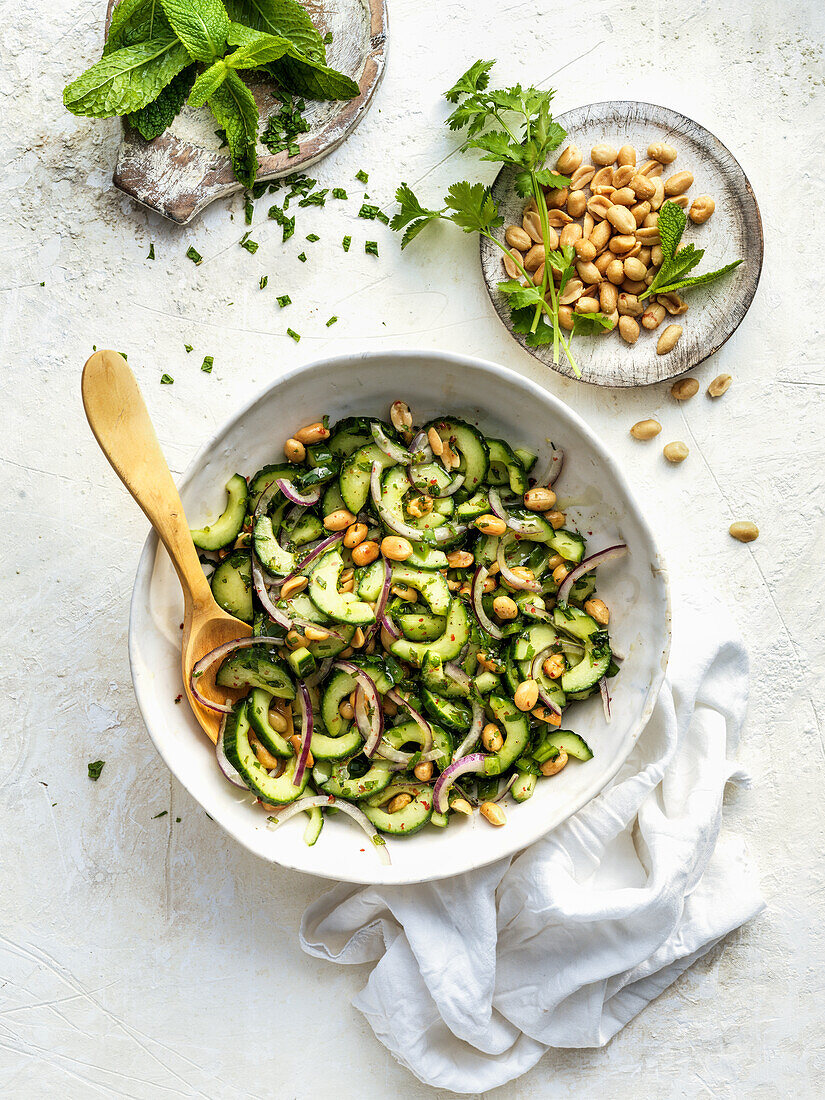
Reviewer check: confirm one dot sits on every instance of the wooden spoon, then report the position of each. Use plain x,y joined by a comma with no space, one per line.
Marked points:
119,419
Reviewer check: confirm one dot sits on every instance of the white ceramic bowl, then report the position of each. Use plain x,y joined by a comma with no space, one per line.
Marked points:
598,501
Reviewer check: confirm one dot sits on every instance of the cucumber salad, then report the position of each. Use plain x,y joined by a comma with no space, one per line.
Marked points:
422,617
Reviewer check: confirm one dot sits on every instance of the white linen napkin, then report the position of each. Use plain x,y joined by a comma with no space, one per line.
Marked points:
564,943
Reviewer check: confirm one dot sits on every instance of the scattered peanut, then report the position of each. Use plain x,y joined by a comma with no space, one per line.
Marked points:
553,767
312,433
491,737
675,452
399,802
436,442
294,450
554,666
293,586
526,695
493,812
720,385
365,553
423,771
401,418
339,520
603,154
517,238
559,573
667,341
461,806
598,610
744,531
685,388
645,429
556,519
460,559
569,160
628,329
701,209
490,525
396,548
356,533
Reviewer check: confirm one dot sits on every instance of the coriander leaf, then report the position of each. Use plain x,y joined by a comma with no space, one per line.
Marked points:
497,146
475,210
201,25
588,324
250,246
474,80
339,193
207,84
284,300
95,768
362,176
411,214
520,296
472,113
302,256
127,79
671,225
345,243
699,280
522,321
135,21
287,18
207,364
548,178
236,112
151,121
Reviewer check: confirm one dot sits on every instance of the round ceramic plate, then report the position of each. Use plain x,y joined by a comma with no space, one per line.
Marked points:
733,232
186,168
598,502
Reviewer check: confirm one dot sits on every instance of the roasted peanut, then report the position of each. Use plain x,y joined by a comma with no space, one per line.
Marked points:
588,272
512,262
659,150
626,155
346,710
597,610
685,388
544,714
566,318
556,519
460,559
293,586
396,548
295,741
701,209
490,525
628,329
554,666
436,442
668,340
365,553
744,531
608,297
505,608
517,238
493,813
315,633
622,176
534,258
569,160
675,452
424,771
312,433
634,268
585,250
678,183
629,305
672,303
461,806
491,737
531,224
640,211
401,417
265,757
294,450
658,196
556,198
624,244
526,695
720,385
602,178
560,572
570,234
643,187
540,499
645,429
572,292
339,520
576,204
399,802
648,235
602,262
623,197
554,766
599,205
651,168
294,640
599,235
615,271
581,176
603,153
653,316
356,534
587,305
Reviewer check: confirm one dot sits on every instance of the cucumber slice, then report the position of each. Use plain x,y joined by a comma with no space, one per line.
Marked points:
419,626
471,447
323,747
370,580
340,784
449,645
264,477
354,479
590,669
432,585
426,557
338,687
526,458
574,622
314,826
343,607
434,678
257,713
307,528
505,468
332,501
353,433
524,786
269,552
487,682
232,585
572,744
408,733
451,713
516,728
533,640
228,526
255,668
569,544
302,607
403,822
477,505
257,778
301,662
584,588
430,478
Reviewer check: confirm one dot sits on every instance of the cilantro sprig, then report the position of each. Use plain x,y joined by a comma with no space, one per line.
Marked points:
514,127
673,273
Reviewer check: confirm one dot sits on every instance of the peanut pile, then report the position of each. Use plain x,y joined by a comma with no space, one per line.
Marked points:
616,239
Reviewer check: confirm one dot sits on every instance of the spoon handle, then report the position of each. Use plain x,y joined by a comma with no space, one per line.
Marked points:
120,421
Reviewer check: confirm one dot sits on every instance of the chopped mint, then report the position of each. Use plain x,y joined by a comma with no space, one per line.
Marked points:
339,193
264,281
332,320
313,237
371,212
345,243
95,768
188,348
162,813
317,198
166,379
362,176
302,256
284,300
248,210
151,255
371,248
250,246
193,254
207,364
295,336
327,38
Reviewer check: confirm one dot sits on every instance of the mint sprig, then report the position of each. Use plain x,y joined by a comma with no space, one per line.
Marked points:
673,272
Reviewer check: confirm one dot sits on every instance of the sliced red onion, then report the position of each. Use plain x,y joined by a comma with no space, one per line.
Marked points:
449,531
306,499
229,770
387,518
218,654
457,674
416,716
505,788
316,551
571,648
333,633
264,499
307,723
473,733
320,674
512,578
452,488
538,661
381,603
548,702
401,758
531,608
386,446
323,800
277,616
520,526
476,593
554,470
370,725
472,763
595,560
420,448
605,698
390,627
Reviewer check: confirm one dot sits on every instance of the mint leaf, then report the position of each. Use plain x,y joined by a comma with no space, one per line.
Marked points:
236,113
671,225
287,18
296,336
127,79
474,80
166,379
151,121
474,209
207,364
135,21
201,25
698,280
95,768
309,78
207,84
193,255
263,49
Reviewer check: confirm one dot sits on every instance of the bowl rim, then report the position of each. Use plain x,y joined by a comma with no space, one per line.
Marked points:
145,567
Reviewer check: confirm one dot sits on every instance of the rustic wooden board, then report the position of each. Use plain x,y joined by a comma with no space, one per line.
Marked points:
734,231
183,170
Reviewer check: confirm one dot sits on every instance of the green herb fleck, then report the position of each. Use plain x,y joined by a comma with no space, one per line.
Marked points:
371,248
339,193
248,210
250,246
295,336
327,38
264,281
284,126
362,176
151,255
317,198
166,379
284,300
302,256
193,254
345,243
312,238
371,212
162,813
207,364
332,320
95,768
188,348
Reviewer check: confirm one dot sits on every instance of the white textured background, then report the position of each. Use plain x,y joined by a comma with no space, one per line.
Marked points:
152,958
